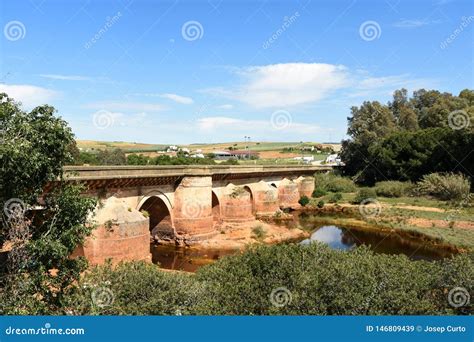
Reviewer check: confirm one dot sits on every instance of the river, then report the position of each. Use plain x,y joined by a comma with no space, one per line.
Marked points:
336,237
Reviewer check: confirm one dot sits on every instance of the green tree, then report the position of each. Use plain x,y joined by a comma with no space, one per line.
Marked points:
42,228
370,122
137,159
403,111
112,157
410,155
429,133
368,125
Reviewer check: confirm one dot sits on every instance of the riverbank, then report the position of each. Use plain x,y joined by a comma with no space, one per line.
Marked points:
239,235
434,222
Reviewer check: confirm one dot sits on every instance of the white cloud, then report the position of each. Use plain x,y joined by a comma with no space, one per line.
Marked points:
374,86
30,96
120,119
262,128
414,23
66,77
178,98
118,106
225,106
286,85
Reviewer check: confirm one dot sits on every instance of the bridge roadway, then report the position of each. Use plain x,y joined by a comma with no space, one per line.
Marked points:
83,173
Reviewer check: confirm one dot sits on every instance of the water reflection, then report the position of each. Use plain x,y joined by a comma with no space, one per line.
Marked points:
330,235
387,243
185,259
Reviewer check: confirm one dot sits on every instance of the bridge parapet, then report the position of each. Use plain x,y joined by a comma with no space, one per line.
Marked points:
174,172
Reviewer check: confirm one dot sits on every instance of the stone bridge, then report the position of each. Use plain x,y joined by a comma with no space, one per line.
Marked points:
181,203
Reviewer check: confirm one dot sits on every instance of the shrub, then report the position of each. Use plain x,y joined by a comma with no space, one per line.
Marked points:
259,232
445,186
334,183
304,200
318,192
315,280
364,193
133,288
392,188
311,280
320,204
335,197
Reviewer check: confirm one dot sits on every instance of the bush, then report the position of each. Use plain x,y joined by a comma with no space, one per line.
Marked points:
321,204
318,192
393,188
259,232
315,280
364,193
310,280
133,288
304,200
335,197
445,186
334,183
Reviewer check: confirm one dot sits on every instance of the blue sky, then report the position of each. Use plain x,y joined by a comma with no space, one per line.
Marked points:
210,71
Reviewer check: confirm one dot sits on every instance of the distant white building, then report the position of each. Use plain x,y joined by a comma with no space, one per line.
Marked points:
172,148
333,159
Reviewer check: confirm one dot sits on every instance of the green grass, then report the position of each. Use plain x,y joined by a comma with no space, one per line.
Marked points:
417,201
461,215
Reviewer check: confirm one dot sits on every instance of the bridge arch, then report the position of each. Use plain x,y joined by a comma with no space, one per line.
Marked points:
158,207
216,208
248,188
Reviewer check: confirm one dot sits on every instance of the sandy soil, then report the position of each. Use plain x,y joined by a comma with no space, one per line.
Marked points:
427,223
414,207
239,235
